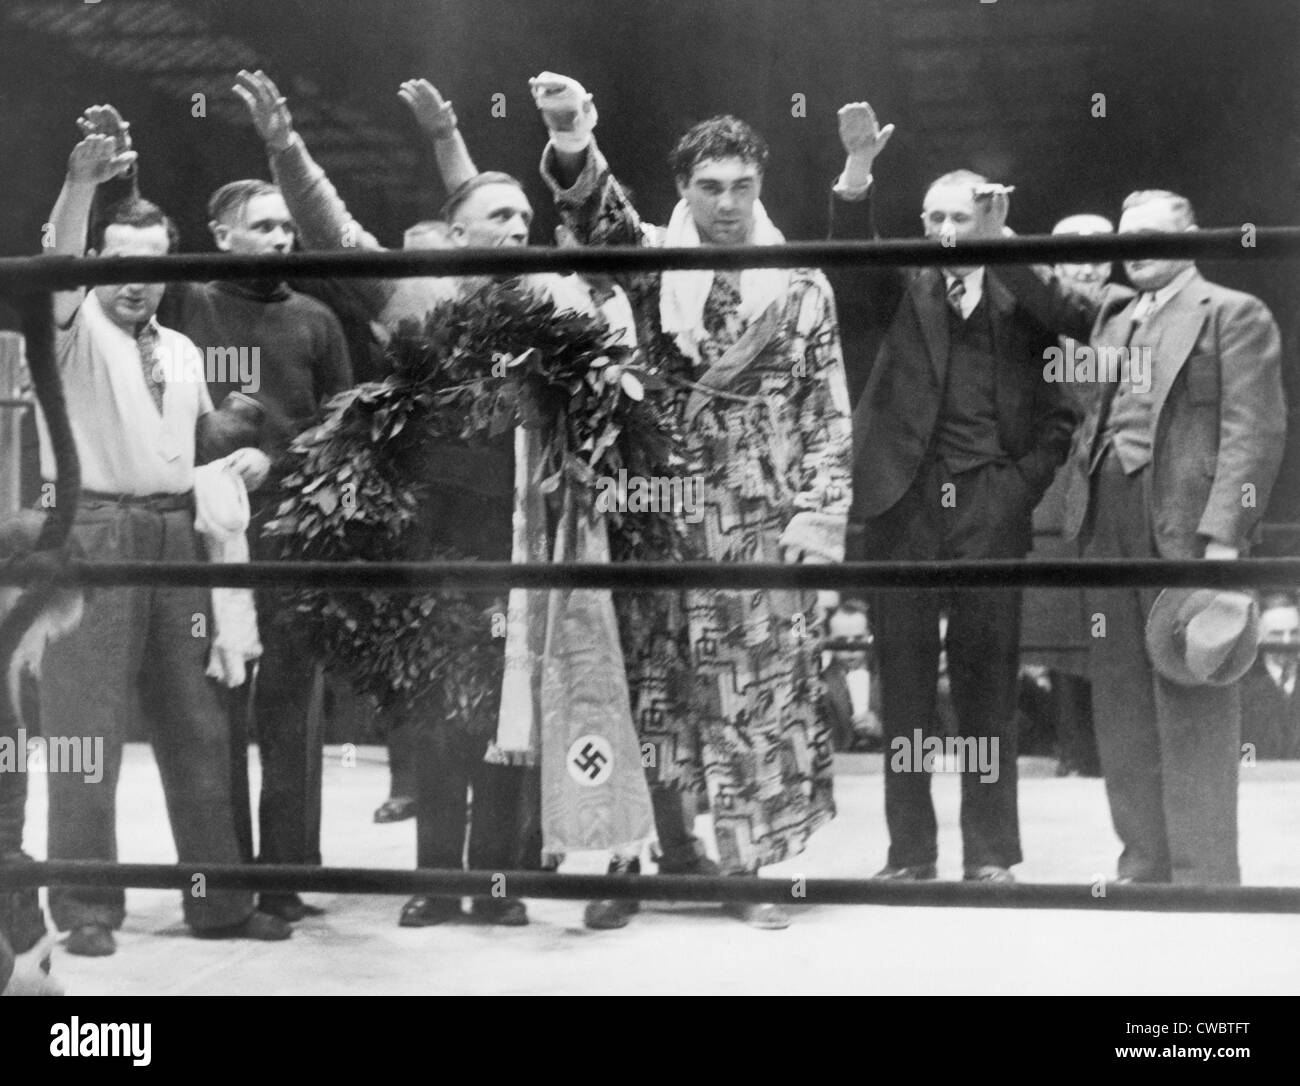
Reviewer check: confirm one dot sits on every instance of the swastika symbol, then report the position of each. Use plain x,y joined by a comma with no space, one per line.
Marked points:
590,760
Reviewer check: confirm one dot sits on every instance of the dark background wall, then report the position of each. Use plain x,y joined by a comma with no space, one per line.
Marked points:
1201,96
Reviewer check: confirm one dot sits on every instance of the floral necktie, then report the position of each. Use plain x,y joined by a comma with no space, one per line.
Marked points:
154,378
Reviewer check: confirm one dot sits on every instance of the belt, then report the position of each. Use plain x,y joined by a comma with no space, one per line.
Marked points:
155,503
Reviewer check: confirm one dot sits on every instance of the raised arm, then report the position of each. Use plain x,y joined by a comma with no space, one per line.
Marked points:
437,120
322,217
93,161
594,207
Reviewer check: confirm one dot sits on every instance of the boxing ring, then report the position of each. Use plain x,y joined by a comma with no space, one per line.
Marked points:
30,281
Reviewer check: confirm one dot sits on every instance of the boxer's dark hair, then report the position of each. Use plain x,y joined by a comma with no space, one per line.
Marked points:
718,137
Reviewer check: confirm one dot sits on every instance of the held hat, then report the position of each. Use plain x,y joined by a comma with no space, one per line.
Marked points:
1202,636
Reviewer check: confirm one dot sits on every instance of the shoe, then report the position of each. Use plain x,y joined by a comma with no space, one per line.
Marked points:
988,873
395,809
91,941
260,926
701,865
424,912
288,907
917,873
758,915
505,912
613,913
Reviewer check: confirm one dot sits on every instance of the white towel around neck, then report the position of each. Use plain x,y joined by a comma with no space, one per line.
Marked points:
682,293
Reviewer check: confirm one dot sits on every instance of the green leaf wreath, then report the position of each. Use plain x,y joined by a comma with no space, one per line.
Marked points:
498,355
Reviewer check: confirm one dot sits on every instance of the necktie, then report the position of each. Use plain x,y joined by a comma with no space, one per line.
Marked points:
956,292
154,378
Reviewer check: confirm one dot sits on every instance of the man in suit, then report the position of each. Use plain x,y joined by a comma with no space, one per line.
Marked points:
1175,459
956,437
1270,694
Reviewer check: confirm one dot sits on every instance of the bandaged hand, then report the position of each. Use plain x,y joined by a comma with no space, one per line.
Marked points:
568,110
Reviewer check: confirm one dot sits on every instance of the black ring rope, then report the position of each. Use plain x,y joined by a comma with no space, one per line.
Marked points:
791,890
46,273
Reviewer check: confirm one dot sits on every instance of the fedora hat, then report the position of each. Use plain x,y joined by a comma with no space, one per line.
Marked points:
1203,636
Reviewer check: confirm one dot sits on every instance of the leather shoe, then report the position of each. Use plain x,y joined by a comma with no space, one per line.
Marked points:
395,809
613,913
91,941
424,912
701,865
288,907
759,914
988,873
506,912
260,926
916,873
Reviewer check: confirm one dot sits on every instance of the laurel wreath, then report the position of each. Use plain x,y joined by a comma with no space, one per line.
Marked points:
497,356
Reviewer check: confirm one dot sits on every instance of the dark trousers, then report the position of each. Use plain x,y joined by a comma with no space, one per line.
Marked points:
1169,753
154,641
402,740
983,515
287,702
505,832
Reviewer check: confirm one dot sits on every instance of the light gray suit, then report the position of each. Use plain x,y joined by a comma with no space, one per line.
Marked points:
1216,430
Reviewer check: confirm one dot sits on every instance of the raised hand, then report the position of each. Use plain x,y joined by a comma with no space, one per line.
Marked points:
432,114
271,116
860,132
96,159
105,120
566,107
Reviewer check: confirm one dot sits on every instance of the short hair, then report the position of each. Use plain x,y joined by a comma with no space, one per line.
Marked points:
436,227
718,137
133,211
1271,600
851,607
235,196
958,177
1084,224
1181,205
478,181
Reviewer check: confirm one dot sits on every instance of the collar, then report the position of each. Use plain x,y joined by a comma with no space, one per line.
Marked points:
1159,298
972,281
258,290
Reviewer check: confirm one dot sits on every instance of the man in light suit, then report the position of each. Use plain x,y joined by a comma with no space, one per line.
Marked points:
1176,459
956,437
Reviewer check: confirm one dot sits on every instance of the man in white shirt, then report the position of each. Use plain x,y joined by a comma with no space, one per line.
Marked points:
135,391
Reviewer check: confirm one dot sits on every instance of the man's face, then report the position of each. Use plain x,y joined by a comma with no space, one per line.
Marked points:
1157,217
1085,273
491,217
131,304
720,194
951,213
1279,626
262,227
848,624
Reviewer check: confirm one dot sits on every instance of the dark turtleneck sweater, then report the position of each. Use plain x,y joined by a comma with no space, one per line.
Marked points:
282,348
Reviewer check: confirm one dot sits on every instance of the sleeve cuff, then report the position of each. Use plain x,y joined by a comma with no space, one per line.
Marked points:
852,193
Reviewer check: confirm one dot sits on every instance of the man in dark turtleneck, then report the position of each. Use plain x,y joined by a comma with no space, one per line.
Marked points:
287,351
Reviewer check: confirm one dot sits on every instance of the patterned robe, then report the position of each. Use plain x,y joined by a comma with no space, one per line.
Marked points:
725,685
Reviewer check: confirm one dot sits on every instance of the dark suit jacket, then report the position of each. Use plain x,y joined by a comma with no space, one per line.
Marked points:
903,330
1269,718
1219,422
